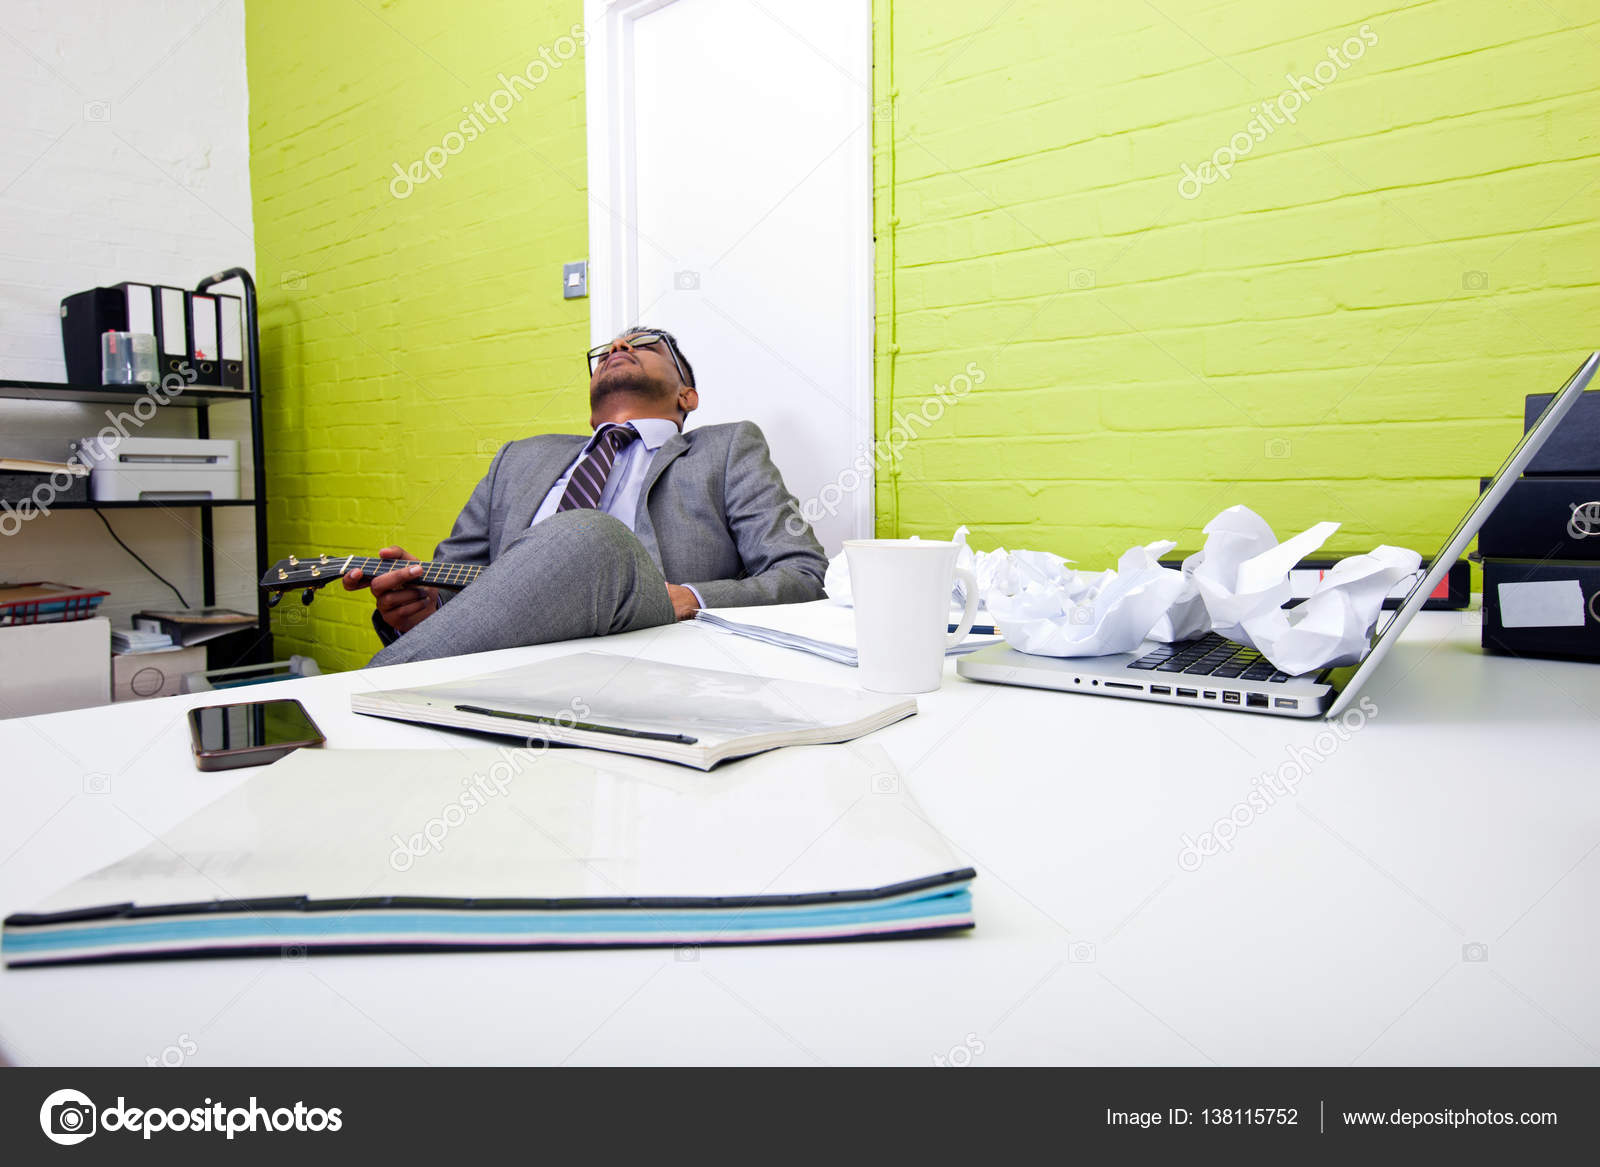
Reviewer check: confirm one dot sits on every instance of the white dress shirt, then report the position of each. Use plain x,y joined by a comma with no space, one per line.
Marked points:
620,499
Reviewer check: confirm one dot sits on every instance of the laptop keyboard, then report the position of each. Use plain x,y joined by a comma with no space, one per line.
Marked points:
1210,656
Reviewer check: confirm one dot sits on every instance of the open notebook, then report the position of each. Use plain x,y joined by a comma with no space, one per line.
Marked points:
822,628
402,850
698,717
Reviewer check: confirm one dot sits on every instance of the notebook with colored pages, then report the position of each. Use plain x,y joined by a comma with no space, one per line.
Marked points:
361,851
821,628
696,717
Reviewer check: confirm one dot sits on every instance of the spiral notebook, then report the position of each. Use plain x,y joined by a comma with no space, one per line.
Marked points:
366,851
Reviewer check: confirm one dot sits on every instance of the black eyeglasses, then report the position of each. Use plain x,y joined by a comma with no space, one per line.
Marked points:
637,340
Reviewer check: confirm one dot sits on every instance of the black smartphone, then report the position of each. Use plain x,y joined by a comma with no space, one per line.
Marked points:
251,733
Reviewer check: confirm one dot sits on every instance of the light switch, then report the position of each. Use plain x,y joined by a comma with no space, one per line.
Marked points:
575,280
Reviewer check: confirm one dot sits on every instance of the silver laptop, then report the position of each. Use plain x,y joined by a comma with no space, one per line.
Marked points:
1220,674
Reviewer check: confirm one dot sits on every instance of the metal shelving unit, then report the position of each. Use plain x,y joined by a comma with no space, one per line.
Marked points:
200,399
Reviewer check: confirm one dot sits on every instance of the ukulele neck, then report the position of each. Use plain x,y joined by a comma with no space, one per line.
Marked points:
439,575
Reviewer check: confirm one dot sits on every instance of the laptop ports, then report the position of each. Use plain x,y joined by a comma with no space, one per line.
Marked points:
1285,703
1256,700
1187,693
1161,690
1229,697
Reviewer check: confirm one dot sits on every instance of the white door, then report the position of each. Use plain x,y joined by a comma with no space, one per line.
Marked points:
730,180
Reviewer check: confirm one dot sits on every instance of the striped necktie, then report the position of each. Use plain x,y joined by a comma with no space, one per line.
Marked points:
588,481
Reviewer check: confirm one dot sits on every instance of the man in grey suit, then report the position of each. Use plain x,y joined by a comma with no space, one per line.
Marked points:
636,525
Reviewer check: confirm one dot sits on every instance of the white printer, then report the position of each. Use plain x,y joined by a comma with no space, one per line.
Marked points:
160,469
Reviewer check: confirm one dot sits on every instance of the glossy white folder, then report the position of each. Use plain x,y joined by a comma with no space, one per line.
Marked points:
383,850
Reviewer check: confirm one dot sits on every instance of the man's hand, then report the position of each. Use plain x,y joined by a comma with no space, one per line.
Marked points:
684,605
402,603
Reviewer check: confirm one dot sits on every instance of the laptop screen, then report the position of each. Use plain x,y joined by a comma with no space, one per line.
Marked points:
1456,544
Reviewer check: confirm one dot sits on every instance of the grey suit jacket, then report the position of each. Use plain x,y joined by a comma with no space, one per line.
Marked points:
713,513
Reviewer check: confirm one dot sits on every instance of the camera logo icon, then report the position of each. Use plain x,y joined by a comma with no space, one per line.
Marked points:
1081,952
1278,448
885,784
67,1117
292,280
1081,279
1474,281
686,281
97,111
1475,953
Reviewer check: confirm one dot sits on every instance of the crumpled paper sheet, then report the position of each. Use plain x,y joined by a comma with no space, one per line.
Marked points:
1242,577
983,564
1040,605
1236,586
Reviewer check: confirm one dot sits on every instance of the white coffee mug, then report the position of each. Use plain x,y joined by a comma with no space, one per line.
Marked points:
901,591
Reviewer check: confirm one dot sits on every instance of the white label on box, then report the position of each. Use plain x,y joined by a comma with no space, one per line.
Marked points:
1555,603
203,324
232,327
174,331
141,308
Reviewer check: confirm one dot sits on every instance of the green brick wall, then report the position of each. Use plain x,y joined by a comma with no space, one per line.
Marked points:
405,339
1341,328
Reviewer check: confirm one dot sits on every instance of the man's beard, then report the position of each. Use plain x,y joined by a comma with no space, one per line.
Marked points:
623,378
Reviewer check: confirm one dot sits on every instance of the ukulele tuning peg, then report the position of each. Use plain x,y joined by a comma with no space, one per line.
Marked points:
274,599
308,595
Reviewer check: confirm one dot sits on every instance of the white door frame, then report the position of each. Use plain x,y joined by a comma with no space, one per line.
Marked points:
613,219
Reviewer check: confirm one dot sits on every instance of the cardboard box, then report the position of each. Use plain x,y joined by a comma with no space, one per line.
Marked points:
51,667
137,675
1542,608
1574,446
1545,517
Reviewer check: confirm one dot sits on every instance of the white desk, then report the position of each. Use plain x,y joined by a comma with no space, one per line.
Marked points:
1467,811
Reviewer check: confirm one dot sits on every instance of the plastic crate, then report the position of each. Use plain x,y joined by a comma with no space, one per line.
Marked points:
43,602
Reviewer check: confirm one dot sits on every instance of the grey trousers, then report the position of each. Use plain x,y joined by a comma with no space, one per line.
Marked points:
578,573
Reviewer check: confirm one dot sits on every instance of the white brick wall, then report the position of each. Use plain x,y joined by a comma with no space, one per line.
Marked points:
124,154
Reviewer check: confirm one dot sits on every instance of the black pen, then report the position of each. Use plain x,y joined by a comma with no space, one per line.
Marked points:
586,726
975,630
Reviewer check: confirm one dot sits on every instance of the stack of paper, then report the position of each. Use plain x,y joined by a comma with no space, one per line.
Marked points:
779,626
698,717
400,850
126,640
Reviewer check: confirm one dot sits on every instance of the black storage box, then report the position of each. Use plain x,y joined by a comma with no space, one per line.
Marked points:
1546,517
1574,446
16,485
1542,608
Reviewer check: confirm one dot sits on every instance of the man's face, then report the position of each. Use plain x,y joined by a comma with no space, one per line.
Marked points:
647,372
